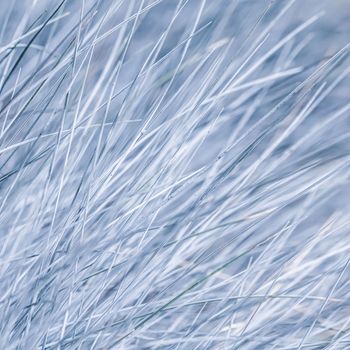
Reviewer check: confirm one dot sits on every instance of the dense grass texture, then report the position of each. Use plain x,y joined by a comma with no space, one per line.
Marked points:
174,174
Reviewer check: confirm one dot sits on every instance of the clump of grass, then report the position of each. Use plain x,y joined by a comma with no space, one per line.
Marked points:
174,174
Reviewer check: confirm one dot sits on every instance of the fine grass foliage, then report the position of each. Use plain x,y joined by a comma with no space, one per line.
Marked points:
174,174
